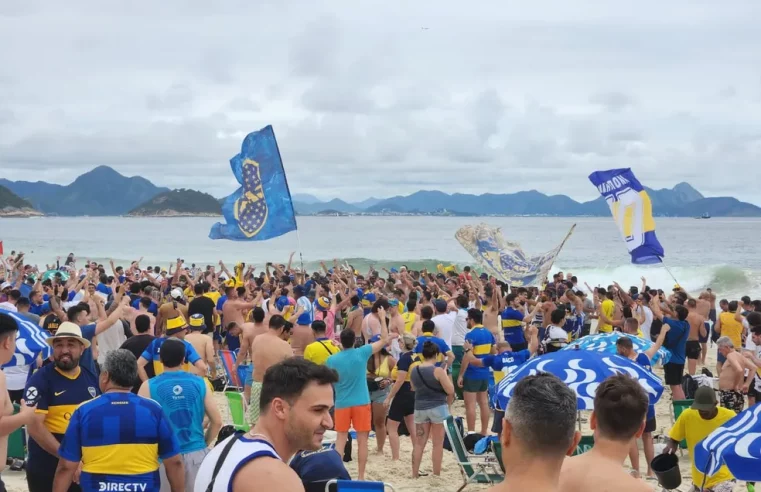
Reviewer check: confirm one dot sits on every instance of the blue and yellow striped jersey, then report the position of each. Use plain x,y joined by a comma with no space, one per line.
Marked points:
119,438
482,341
151,354
56,395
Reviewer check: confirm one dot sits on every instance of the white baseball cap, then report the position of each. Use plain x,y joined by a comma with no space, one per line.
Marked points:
5,285
176,293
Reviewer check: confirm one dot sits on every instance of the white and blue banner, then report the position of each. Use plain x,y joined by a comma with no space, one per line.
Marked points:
736,444
30,341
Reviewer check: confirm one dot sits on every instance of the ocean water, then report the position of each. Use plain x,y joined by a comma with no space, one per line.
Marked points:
724,254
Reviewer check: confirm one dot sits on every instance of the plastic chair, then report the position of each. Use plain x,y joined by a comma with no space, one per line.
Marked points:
228,362
677,407
356,486
474,469
585,444
237,410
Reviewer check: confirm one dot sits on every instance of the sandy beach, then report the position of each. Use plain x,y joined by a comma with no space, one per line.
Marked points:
398,474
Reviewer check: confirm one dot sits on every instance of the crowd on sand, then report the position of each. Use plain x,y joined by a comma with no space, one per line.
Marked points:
336,363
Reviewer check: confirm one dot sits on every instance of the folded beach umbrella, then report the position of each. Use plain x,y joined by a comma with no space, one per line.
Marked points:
583,372
736,444
606,342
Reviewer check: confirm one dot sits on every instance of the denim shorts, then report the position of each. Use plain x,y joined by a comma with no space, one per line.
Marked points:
379,396
436,415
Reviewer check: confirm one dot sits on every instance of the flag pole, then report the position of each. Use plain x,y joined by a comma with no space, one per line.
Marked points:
561,246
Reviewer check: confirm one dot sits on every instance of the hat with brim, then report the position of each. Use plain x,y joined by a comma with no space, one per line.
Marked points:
197,322
705,399
68,329
175,325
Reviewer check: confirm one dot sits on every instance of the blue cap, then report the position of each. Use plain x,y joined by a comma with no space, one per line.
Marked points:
281,303
393,302
394,270
441,305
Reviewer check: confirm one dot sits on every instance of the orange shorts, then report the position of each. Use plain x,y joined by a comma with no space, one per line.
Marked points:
359,417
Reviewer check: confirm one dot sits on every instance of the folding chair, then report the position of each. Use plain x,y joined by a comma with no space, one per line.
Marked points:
496,448
237,410
474,469
585,444
677,407
228,362
356,486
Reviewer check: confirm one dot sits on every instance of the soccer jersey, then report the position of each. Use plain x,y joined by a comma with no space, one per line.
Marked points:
151,354
428,337
181,396
56,395
119,438
482,341
319,350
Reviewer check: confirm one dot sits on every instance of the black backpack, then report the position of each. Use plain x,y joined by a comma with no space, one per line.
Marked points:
689,386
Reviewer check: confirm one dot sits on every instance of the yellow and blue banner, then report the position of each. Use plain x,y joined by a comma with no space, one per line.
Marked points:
505,259
261,208
633,212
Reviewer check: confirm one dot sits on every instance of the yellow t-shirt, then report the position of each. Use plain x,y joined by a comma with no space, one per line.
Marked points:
608,307
694,428
731,328
214,296
319,351
409,321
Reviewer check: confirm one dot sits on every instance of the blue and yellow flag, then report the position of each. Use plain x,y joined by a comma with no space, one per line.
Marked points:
633,212
261,208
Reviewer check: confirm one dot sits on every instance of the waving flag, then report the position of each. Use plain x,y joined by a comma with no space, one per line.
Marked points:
261,208
633,212
583,372
736,444
30,341
505,260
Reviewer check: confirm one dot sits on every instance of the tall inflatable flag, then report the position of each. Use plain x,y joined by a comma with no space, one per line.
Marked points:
261,208
633,212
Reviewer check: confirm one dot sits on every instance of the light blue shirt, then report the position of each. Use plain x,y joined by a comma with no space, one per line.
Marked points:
181,396
350,364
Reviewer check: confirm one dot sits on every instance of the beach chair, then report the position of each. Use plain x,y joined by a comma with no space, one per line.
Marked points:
677,407
17,440
228,362
585,444
356,486
237,410
496,448
475,469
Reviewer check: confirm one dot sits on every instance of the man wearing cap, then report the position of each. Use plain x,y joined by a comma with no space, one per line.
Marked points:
57,389
202,343
13,297
176,327
176,306
694,425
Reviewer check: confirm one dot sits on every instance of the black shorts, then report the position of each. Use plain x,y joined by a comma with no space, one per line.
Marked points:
585,330
704,339
16,395
496,426
673,373
402,405
754,393
650,425
693,349
517,347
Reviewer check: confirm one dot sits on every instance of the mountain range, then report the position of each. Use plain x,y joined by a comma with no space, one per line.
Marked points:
103,191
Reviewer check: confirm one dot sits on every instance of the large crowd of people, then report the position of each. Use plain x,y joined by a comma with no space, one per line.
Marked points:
125,402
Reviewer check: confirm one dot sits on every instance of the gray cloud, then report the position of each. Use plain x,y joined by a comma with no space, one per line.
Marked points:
366,102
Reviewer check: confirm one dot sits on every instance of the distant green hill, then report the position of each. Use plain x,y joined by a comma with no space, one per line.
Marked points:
176,203
12,205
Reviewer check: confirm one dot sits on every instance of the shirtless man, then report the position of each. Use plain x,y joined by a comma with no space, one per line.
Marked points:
491,313
267,350
249,332
354,319
234,308
697,334
202,343
371,324
617,420
8,421
733,380
706,306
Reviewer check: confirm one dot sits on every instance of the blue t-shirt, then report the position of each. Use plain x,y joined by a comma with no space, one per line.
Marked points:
351,388
512,326
181,396
676,339
86,361
644,361
25,289
39,309
506,361
308,316
443,347
482,341
120,438
233,342
153,308
153,351
221,302
104,289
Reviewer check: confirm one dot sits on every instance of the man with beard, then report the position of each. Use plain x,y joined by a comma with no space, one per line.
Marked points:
57,389
296,397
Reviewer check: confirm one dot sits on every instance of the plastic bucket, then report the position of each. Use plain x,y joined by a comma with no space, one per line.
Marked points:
666,469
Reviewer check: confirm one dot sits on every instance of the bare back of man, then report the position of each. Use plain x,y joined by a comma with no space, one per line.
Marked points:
267,350
354,321
697,332
204,346
593,472
232,311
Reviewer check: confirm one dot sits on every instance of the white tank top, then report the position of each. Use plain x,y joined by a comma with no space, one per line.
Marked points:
242,452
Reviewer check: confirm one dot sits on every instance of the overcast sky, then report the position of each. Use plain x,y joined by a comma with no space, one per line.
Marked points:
386,97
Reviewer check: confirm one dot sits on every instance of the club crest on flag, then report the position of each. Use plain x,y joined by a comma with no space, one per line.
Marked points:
251,209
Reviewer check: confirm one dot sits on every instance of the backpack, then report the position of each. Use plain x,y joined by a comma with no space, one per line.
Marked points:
689,386
460,428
